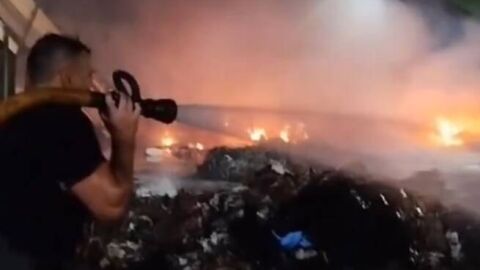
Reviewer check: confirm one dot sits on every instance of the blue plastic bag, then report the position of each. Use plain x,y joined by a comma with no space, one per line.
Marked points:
293,241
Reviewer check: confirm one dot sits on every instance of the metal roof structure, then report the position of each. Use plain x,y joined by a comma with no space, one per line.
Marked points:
26,20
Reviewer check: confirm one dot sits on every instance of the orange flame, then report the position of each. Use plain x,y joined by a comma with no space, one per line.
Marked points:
295,134
285,136
257,134
448,133
199,146
167,141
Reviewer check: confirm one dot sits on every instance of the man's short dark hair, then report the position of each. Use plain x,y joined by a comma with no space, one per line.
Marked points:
42,61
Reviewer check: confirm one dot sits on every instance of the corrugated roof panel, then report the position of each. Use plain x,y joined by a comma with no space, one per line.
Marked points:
24,7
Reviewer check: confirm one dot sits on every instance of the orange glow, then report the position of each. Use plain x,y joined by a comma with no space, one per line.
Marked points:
168,141
285,136
295,134
257,134
199,146
448,133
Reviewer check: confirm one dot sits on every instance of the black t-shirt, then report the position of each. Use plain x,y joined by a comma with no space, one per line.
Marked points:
43,153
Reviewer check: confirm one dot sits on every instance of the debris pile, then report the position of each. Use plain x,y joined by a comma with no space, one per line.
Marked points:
285,216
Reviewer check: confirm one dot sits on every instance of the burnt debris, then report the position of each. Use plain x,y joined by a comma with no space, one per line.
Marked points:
285,216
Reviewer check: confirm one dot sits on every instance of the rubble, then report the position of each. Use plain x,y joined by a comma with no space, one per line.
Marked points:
285,216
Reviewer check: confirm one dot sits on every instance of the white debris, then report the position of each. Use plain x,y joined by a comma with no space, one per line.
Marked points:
104,263
217,238
455,245
214,238
155,152
399,215
267,199
229,158
404,194
131,245
143,193
240,213
359,199
325,257
413,254
278,167
215,201
182,261
232,202
131,227
205,245
205,208
239,189
157,187
263,213
384,200
434,259
151,159
419,211
115,251
146,219
303,254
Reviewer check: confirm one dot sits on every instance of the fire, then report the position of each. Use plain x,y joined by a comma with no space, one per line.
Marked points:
257,134
448,133
199,146
285,136
290,134
168,141
295,134
196,146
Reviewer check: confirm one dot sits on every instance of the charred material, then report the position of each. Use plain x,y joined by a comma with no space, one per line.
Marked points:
286,216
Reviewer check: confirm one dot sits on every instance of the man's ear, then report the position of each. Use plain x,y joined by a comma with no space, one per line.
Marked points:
64,78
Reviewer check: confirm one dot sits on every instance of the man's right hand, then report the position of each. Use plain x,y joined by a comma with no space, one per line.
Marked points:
121,119
107,191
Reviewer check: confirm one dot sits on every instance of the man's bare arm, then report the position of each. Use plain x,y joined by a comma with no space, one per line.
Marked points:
107,191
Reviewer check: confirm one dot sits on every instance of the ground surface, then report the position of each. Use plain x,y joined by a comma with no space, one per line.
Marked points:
265,211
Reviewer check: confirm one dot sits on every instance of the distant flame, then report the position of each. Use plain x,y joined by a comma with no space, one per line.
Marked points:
285,136
449,133
199,146
168,141
289,134
257,134
295,134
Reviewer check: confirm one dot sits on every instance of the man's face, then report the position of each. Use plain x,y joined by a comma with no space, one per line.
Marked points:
79,72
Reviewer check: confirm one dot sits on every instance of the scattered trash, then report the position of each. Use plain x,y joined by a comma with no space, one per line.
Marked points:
455,245
278,167
303,254
384,200
293,241
114,251
264,223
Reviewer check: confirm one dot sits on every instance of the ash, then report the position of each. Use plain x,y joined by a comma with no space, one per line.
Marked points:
285,215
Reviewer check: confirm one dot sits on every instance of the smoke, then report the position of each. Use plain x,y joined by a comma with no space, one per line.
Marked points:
382,59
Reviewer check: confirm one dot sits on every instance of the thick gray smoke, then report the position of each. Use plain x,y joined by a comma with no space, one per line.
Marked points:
383,59
372,56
